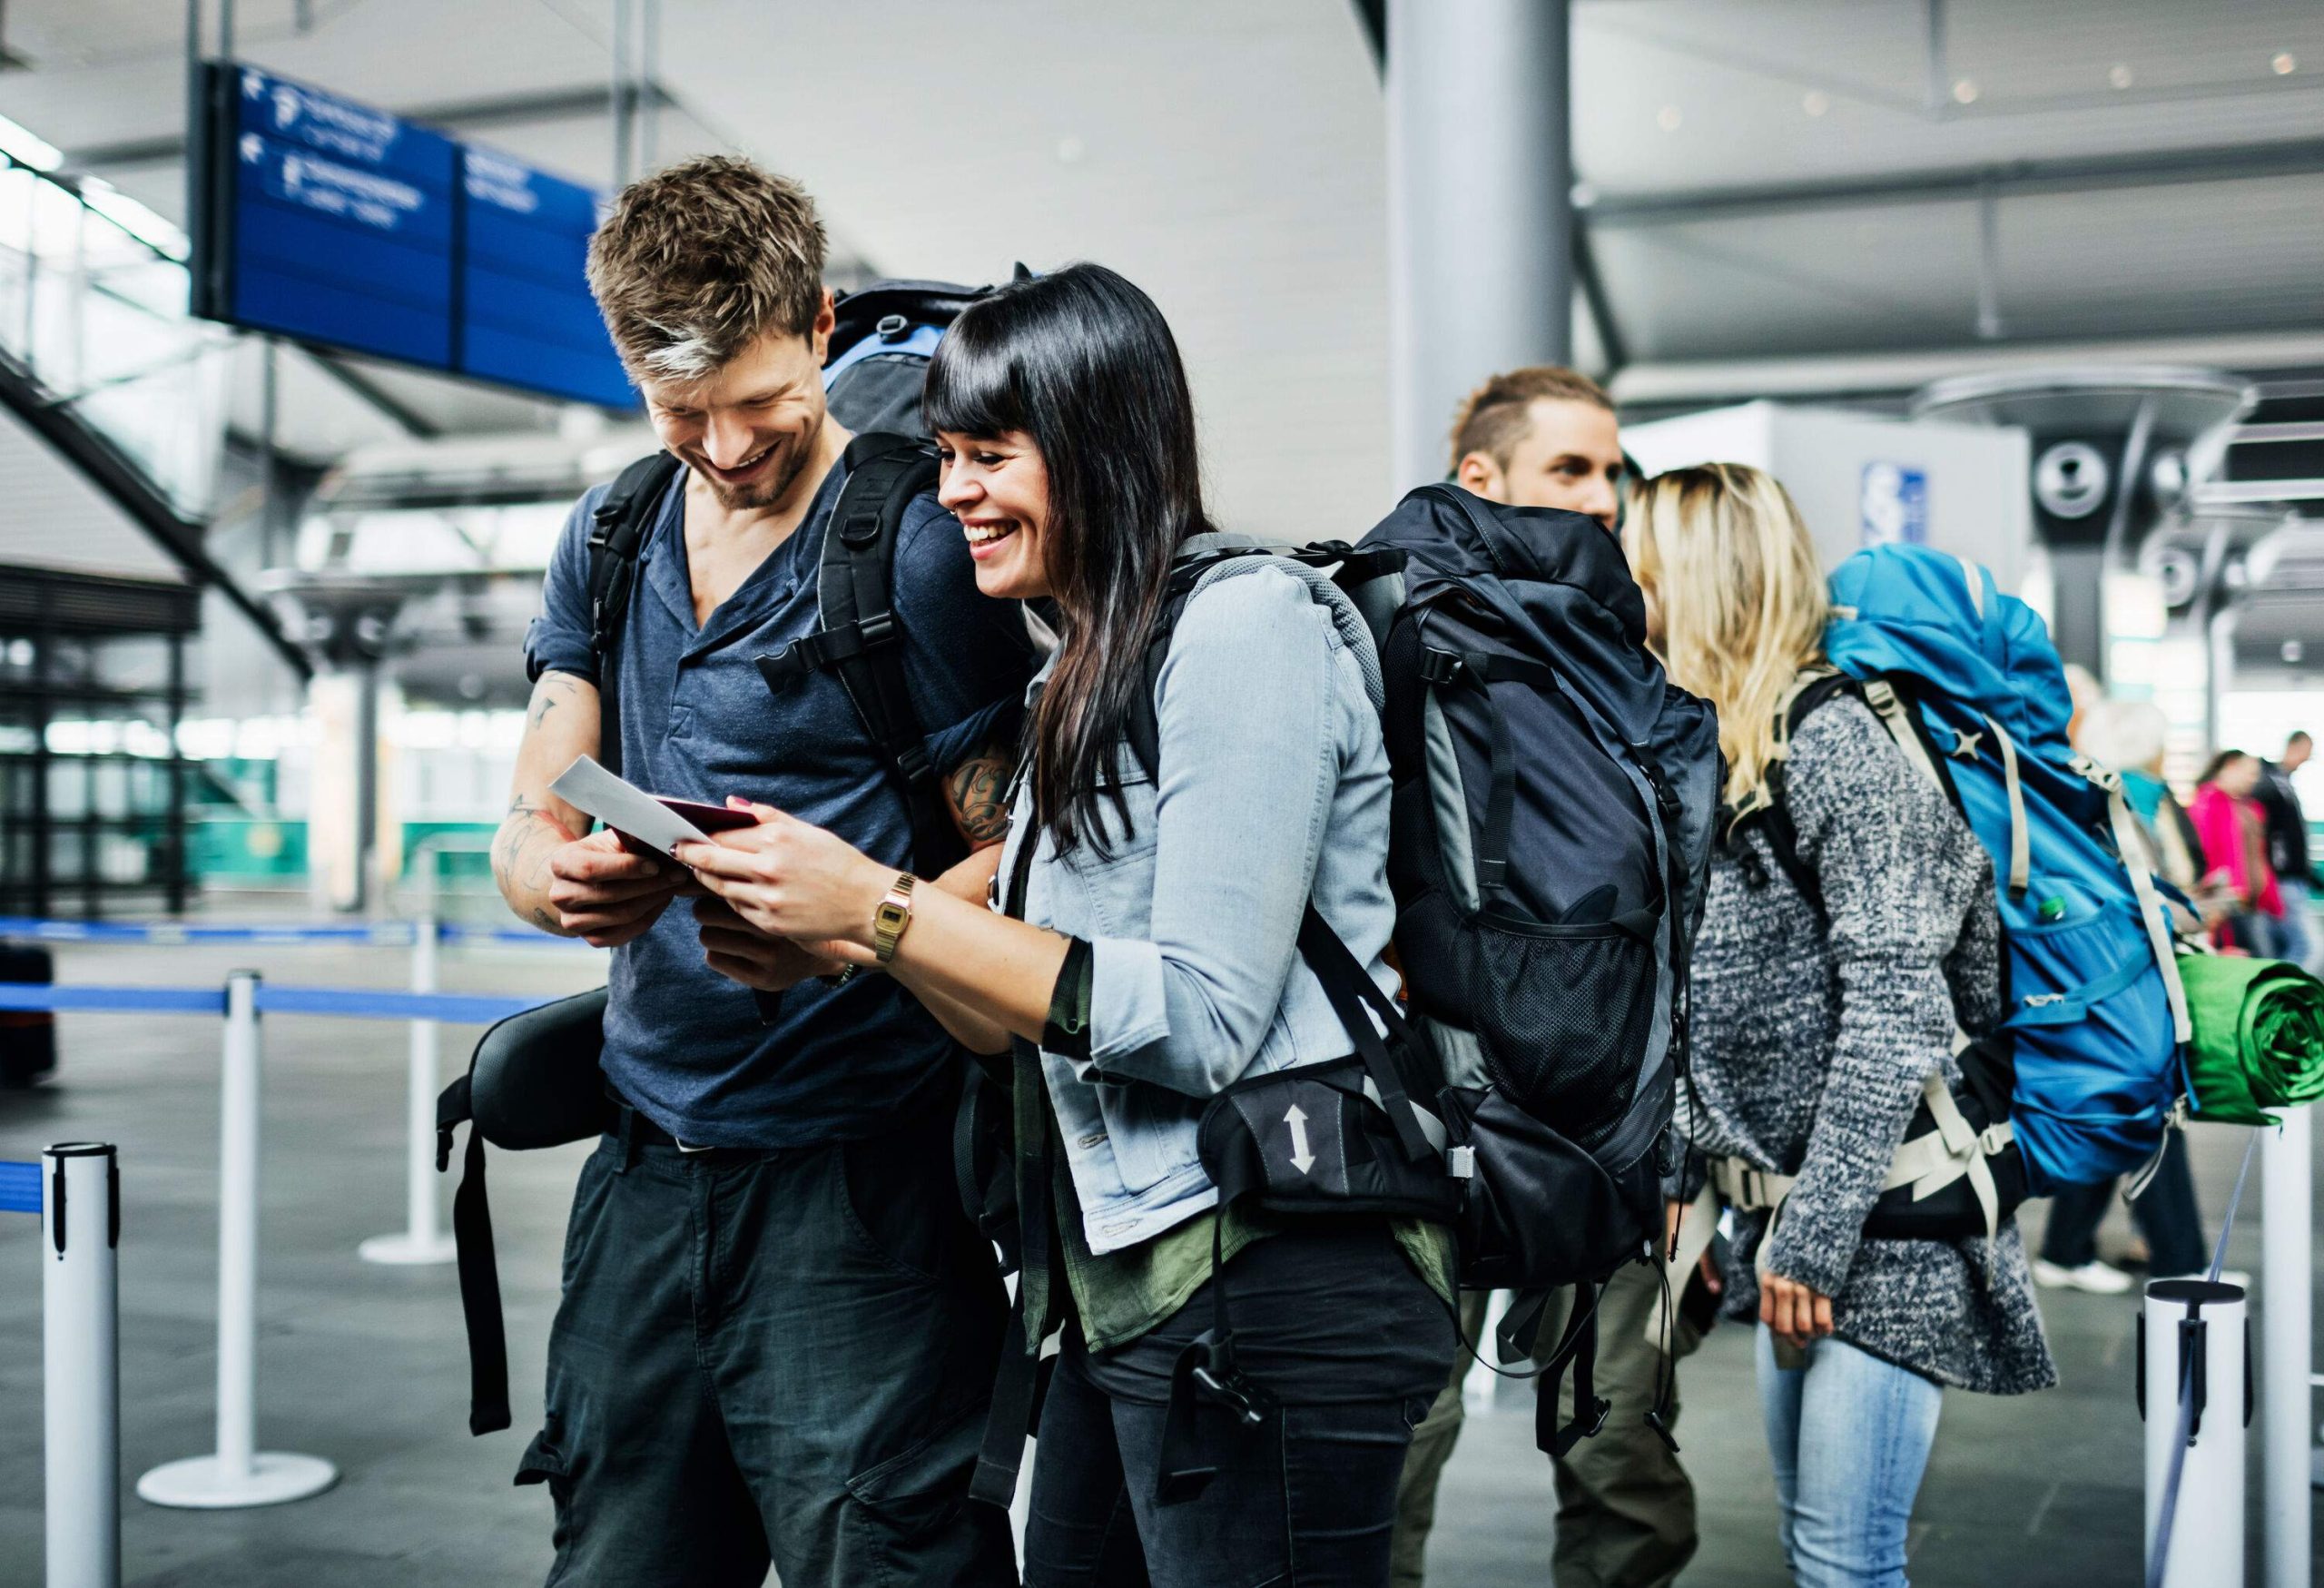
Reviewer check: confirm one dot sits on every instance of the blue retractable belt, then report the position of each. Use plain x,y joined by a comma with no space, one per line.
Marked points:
353,1003
19,1188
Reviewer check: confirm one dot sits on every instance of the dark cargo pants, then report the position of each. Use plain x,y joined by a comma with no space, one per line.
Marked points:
781,1355
1626,1510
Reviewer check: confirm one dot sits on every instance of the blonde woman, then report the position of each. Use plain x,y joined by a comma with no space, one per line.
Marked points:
1815,1026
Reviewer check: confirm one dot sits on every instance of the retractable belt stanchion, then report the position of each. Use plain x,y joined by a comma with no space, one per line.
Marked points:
422,1240
238,1473
2286,1258
81,1364
2195,1391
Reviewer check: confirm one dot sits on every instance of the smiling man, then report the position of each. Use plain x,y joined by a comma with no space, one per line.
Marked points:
778,1330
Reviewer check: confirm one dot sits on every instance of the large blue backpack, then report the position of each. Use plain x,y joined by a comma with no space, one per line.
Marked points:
2089,1061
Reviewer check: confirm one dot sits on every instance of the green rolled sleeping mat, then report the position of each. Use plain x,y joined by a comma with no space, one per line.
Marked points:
2259,1037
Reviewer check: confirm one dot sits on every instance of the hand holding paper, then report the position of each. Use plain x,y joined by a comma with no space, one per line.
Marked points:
640,818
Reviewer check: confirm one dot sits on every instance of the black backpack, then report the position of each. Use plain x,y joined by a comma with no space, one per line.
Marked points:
1554,806
533,1080
1551,822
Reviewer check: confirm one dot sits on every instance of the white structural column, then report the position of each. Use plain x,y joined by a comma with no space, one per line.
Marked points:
238,1473
81,1364
1479,208
2206,1413
422,1240
2287,1237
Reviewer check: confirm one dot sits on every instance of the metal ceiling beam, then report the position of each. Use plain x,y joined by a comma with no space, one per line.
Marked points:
393,408
1374,15
1598,300
553,104
2073,173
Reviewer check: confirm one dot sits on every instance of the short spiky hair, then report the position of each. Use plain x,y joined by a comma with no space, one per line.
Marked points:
697,262
1495,417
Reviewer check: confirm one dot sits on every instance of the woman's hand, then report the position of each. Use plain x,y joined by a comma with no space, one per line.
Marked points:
789,878
1798,1316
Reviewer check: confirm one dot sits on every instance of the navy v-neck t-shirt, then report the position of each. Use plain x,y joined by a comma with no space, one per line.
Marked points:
698,721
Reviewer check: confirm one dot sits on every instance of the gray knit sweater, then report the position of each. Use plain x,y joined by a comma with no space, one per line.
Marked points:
1811,1044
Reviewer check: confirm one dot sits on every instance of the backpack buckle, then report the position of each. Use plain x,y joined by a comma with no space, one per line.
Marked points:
878,629
1438,666
892,327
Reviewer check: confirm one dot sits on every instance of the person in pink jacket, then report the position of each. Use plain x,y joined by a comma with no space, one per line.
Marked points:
2234,831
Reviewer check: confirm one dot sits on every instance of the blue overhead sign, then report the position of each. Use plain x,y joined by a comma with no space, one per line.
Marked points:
324,220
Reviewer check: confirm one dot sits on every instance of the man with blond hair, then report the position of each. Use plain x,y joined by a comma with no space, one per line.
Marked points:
1547,437
778,1329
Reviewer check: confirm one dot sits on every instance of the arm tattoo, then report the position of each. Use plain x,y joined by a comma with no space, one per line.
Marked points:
549,695
977,791
520,850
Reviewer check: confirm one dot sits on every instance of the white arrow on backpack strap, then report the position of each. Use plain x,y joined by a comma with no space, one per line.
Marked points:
1300,1158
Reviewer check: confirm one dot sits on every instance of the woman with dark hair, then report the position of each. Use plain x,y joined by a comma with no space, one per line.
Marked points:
2234,830
1147,958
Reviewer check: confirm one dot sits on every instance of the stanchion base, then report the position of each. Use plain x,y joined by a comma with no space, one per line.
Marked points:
202,1483
400,1250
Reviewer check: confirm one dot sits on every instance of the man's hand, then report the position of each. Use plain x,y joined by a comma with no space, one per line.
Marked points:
606,895
740,953
1798,1316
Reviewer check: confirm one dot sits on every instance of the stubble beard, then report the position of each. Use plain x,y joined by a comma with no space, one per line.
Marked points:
772,491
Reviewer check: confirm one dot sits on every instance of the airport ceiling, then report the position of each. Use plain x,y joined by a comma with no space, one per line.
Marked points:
1771,185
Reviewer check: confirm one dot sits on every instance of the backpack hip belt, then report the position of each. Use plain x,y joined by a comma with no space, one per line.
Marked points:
1928,1163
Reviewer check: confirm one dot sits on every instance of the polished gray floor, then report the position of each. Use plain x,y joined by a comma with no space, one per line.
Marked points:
365,1365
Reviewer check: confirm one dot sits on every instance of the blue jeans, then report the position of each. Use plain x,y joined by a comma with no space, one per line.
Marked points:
1848,1435
2296,931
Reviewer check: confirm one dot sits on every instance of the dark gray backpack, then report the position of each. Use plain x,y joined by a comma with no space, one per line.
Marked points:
1555,798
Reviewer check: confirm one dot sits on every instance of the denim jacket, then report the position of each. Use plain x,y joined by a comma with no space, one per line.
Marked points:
1274,787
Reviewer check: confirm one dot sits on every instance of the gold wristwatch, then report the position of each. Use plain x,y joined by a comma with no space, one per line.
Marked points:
894,913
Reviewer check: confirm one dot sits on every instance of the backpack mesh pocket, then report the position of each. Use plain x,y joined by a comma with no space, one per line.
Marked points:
1564,1016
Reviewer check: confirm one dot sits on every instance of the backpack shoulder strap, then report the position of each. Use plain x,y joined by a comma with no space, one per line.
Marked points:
1811,690
616,530
1144,727
1346,985
858,639
1358,568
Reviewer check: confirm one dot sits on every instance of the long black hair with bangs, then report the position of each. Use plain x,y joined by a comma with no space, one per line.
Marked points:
1084,363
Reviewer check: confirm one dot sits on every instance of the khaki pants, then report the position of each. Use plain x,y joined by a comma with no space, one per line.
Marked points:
1626,1511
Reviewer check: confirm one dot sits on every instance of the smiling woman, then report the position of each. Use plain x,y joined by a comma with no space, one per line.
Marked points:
1149,959
1068,431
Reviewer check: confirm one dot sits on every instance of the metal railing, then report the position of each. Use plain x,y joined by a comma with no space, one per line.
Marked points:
93,312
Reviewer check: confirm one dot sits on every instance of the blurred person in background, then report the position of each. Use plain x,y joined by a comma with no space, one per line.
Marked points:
1814,1032
2127,737
1546,436
2288,850
2234,832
